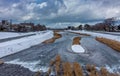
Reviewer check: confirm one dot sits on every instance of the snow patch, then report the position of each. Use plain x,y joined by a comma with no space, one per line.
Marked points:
78,49
113,69
31,65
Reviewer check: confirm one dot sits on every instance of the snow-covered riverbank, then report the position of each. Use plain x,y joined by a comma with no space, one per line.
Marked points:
113,37
13,46
4,35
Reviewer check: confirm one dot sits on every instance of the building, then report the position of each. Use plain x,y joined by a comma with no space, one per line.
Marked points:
27,26
5,25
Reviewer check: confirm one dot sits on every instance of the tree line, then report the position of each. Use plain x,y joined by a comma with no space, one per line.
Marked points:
106,25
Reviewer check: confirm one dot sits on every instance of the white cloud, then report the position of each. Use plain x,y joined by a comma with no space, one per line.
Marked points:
28,16
15,5
61,10
112,12
33,6
42,5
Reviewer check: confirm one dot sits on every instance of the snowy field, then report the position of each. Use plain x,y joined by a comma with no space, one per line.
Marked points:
113,37
13,46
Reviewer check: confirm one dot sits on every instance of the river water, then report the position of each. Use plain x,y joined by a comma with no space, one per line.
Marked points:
38,57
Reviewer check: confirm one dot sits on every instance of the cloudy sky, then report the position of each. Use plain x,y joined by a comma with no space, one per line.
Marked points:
59,11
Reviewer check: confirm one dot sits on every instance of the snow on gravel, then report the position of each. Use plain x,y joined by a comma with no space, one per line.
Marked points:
30,65
113,37
78,49
13,46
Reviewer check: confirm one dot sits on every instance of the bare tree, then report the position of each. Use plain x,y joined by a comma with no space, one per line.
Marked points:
118,27
80,27
109,24
87,27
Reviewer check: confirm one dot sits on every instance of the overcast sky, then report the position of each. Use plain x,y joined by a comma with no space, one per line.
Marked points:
59,11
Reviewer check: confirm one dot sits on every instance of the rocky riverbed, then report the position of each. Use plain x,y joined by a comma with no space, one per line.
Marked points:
14,70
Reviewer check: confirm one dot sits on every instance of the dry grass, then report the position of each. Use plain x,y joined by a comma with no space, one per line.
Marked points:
1,62
57,30
111,43
49,71
57,35
49,41
104,72
58,58
56,63
52,40
92,70
37,73
77,69
67,69
76,40
52,62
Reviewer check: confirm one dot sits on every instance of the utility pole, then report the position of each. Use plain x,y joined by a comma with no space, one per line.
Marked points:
10,24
